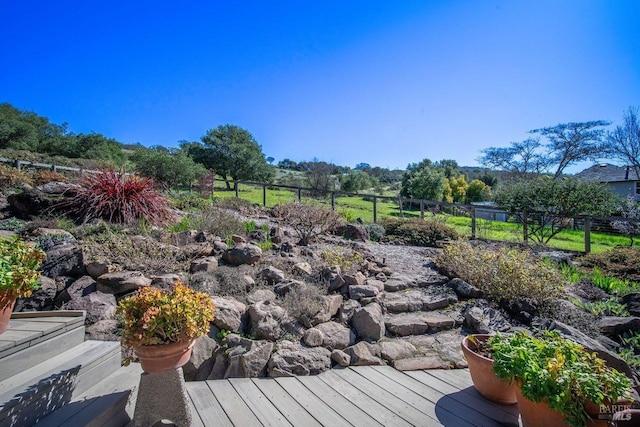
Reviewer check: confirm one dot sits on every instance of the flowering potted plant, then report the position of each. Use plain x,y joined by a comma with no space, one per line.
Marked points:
19,263
559,381
161,326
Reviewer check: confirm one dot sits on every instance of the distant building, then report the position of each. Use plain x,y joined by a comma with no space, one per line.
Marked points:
622,181
488,210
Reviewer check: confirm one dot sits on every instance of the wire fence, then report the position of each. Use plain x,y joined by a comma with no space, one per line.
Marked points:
474,221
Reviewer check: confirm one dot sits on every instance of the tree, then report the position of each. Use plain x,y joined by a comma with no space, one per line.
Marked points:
478,191
546,206
171,167
521,159
423,181
287,164
448,167
319,176
623,143
231,152
572,142
631,211
98,147
355,181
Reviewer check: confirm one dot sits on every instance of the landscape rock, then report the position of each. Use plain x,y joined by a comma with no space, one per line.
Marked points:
353,232
431,279
229,314
41,298
247,358
205,264
242,253
201,361
420,363
463,289
614,327
333,278
330,306
286,286
418,323
362,291
78,289
341,358
43,231
103,330
313,337
303,267
96,269
486,320
399,282
98,305
122,282
165,281
32,202
396,349
272,275
360,355
417,300
336,335
294,359
356,279
65,259
632,301
368,322
261,295
346,311
265,319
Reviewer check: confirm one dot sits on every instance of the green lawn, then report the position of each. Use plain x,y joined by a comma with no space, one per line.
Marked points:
357,207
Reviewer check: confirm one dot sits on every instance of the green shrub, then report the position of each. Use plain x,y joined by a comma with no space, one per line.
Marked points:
501,272
183,225
19,265
620,262
418,232
345,258
376,232
610,307
12,224
189,202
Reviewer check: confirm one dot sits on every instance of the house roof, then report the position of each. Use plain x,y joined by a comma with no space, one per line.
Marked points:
605,172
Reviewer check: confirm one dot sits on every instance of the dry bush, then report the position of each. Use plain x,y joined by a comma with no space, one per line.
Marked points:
234,203
224,281
501,272
621,262
303,302
218,222
45,176
12,177
348,260
307,220
419,232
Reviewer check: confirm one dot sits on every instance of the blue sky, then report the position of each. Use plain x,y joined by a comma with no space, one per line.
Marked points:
382,82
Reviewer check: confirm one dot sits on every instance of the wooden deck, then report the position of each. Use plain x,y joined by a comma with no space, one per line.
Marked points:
356,396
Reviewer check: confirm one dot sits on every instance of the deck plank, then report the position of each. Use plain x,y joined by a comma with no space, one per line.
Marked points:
474,407
206,404
322,412
287,405
352,413
234,406
268,414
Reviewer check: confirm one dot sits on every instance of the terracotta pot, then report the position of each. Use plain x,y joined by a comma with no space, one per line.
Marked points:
6,308
540,414
484,379
164,357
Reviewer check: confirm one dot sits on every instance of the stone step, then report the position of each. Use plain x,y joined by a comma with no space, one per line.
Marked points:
401,282
425,299
109,403
36,392
418,323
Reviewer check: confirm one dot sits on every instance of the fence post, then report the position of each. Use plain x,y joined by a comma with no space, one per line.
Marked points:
375,209
264,195
333,200
17,164
587,234
473,223
235,187
400,206
421,209
299,194
525,231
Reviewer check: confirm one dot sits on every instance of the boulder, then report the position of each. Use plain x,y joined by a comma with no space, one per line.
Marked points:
396,349
65,259
272,275
98,305
417,300
463,289
362,291
360,355
265,317
614,327
230,314
356,279
336,335
418,323
293,359
333,278
632,301
200,363
341,358
43,231
96,269
205,264
261,295
286,286
78,289
247,358
400,282
486,320
242,253
165,281
41,298
122,282
103,330
313,337
368,322
303,267
32,202
353,232
345,313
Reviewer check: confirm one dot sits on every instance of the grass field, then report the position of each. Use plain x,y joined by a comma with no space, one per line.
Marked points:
357,207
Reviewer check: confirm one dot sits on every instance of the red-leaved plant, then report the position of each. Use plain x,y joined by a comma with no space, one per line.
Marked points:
119,198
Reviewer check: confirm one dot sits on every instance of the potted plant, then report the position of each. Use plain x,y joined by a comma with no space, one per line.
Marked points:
557,378
161,326
480,362
19,264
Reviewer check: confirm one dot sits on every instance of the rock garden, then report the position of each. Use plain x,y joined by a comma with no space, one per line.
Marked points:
298,291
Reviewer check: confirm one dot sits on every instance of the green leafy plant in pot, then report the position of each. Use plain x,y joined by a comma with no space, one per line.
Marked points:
19,264
161,326
554,371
